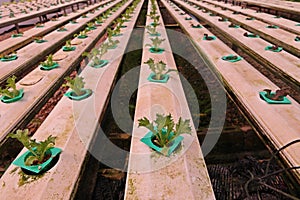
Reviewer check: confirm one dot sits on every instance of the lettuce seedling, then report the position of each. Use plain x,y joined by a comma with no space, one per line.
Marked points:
76,84
111,42
159,68
151,29
38,149
163,128
48,61
96,54
10,90
81,34
99,20
155,43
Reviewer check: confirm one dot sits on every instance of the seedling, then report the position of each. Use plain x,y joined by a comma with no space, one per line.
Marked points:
155,44
73,21
62,28
111,43
163,129
11,14
39,39
39,25
96,55
76,84
90,26
82,34
158,69
68,46
115,32
8,57
119,22
20,34
39,150
126,16
152,30
99,20
106,14
49,61
10,90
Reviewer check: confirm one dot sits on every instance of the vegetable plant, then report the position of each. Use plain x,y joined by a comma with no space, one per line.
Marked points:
164,129
96,54
126,16
111,43
10,90
49,61
99,20
158,68
119,22
62,28
90,26
76,84
39,150
151,30
82,34
11,14
155,43
39,25
73,21
106,14
39,39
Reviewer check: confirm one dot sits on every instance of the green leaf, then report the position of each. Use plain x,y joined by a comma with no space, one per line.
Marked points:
43,146
183,126
76,84
10,90
38,149
146,123
30,160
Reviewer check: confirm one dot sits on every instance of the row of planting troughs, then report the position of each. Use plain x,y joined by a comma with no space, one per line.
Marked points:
166,161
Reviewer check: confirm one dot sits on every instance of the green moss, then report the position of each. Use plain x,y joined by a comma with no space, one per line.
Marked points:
25,178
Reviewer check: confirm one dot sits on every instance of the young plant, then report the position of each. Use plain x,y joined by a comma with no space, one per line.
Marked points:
159,68
155,43
62,28
39,150
10,90
68,44
119,22
73,21
114,32
39,25
96,54
111,43
151,30
49,61
76,85
11,14
90,26
163,128
81,34
99,20
106,14
39,39
126,16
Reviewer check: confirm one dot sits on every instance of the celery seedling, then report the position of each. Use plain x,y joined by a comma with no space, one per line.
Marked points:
76,84
10,90
38,149
159,68
163,128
